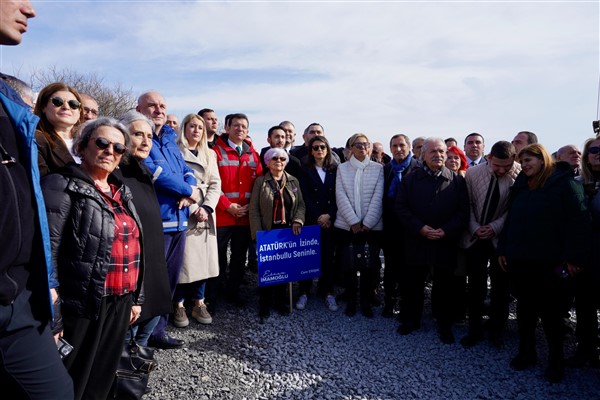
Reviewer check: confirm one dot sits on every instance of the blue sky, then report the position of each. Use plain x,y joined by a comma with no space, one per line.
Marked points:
381,68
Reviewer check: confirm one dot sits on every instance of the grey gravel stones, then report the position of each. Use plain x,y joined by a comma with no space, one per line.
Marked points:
319,354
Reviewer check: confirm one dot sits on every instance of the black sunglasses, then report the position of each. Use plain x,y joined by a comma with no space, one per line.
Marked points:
103,144
594,150
58,102
317,147
282,159
362,145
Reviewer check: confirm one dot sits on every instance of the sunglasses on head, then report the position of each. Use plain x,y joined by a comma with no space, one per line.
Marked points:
282,159
103,144
594,150
58,102
317,147
363,145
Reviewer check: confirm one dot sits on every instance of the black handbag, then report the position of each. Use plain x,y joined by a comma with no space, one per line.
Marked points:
131,378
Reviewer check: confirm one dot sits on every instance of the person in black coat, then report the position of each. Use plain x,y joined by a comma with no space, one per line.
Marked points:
433,206
317,182
401,165
137,177
545,242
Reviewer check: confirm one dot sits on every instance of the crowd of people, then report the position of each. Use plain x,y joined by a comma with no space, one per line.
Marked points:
134,217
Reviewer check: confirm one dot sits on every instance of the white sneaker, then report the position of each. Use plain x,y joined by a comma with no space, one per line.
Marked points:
331,304
301,303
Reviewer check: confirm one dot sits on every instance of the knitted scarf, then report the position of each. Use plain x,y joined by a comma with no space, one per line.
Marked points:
360,167
397,170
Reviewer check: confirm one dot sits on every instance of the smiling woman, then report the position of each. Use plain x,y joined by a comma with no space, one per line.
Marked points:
59,109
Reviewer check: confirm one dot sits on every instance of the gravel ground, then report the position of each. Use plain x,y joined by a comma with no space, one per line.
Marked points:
319,354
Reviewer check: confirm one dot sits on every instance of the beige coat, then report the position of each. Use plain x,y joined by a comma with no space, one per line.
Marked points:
478,180
201,257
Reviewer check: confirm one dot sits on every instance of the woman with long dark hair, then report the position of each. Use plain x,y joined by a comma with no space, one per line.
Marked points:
317,181
60,111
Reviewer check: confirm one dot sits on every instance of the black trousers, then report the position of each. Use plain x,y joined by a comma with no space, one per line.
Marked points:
230,279
412,293
369,277
587,302
97,346
30,367
540,293
477,258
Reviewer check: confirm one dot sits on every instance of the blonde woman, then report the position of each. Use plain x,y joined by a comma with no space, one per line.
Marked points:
200,260
359,197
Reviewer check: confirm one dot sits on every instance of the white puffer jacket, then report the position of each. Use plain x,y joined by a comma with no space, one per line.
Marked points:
372,196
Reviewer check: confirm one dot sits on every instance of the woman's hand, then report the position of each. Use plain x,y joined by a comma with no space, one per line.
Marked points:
324,220
502,262
136,311
573,269
201,214
356,228
296,228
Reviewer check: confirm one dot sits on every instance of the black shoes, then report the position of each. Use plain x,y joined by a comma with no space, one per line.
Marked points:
366,310
350,309
165,342
555,372
446,335
471,339
407,328
522,361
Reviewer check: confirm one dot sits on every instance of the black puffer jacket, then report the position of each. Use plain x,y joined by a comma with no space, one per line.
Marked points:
81,233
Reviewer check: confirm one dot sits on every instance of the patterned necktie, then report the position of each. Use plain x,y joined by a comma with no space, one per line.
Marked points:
239,150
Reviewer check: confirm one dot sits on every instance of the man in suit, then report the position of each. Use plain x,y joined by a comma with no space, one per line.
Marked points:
277,137
474,149
402,163
488,185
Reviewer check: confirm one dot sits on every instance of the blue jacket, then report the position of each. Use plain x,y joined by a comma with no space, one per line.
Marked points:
172,178
24,123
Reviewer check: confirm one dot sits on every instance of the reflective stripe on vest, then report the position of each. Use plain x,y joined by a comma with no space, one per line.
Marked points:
232,195
174,224
156,174
226,162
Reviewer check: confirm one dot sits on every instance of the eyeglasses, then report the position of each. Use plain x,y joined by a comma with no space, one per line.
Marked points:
89,110
362,145
58,102
282,159
594,150
318,147
103,144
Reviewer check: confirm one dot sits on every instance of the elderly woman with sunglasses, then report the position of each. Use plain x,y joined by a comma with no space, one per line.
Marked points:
96,241
587,283
60,111
359,196
276,203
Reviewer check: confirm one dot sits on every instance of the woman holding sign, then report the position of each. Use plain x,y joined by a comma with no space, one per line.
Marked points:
276,203
359,196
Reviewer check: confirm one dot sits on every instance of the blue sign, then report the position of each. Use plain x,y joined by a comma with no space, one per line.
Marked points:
284,257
